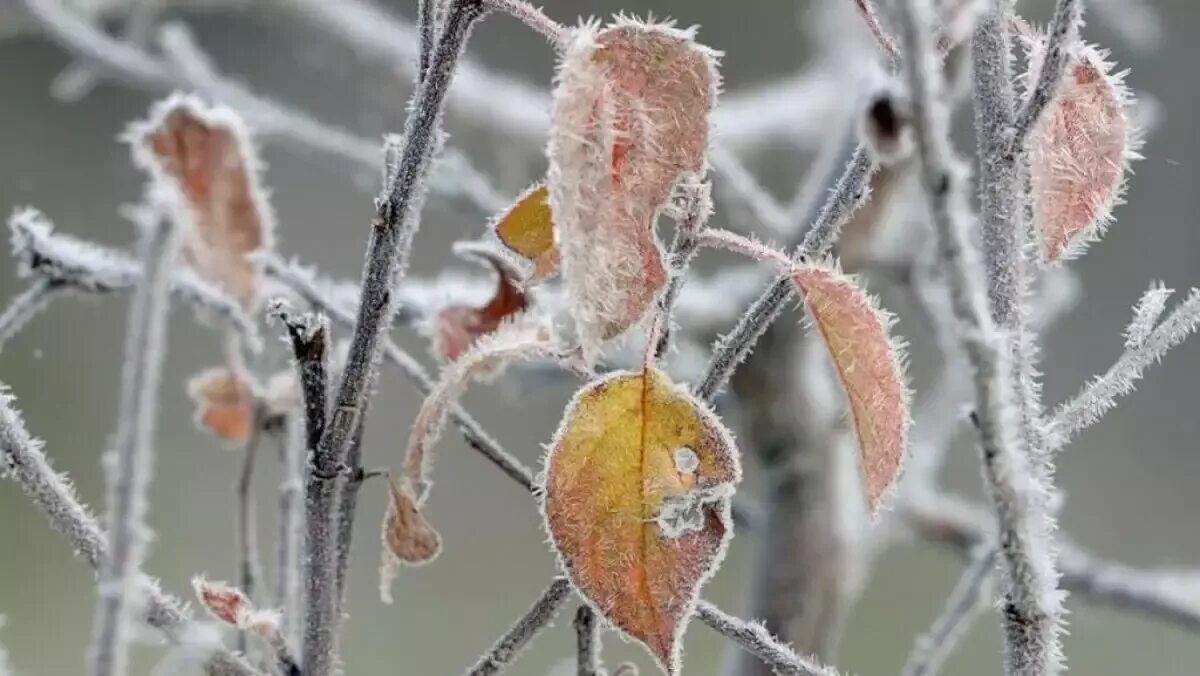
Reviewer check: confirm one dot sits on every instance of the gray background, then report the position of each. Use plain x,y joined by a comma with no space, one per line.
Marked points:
1130,481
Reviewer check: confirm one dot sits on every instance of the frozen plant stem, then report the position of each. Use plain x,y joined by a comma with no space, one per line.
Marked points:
23,461
967,600
1032,614
1064,33
531,16
755,639
290,546
538,617
697,207
25,306
387,255
246,530
129,463
587,637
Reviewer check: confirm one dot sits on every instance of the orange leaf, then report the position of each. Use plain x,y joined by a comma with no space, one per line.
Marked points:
637,496
204,154
458,327
868,364
630,119
224,404
527,229
407,536
1078,155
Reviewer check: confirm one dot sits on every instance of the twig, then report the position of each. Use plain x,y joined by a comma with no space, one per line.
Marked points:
1033,611
966,601
68,263
427,30
732,348
757,640
1064,33
866,8
1099,396
23,461
554,32
396,222
587,642
247,532
696,208
130,461
290,547
539,615
25,306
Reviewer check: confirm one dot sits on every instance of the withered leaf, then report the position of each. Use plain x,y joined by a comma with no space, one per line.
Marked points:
407,537
204,154
458,327
637,494
224,403
527,229
630,119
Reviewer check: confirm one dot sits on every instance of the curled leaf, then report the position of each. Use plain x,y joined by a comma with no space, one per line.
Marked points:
224,403
637,492
231,606
630,119
868,365
458,327
204,155
407,537
527,230
1078,154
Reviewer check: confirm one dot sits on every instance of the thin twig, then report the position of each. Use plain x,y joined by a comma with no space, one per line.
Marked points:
290,547
1033,607
1099,396
696,208
1064,33
247,532
539,615
130,461
866,8
25,306
967,601
756,639
587,642
531,16
23,461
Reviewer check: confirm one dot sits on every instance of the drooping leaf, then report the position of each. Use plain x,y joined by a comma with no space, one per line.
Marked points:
224,403
869,366
458,327
204,155
630,119
1078,155
407,537
527,229
231,606
637,493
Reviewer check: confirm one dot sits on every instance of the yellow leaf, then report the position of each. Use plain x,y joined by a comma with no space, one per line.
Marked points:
869,368
527,229
637,496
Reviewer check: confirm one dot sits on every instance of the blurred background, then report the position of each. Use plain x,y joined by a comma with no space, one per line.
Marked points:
1130,482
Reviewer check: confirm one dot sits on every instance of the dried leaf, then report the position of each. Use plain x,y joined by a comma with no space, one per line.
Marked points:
458,327
231,606
1078,155
869,366
203,153
527,229
637,495
407,537
224,404
630,119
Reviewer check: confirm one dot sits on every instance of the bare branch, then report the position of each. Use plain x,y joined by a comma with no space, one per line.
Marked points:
290,545
696,208
540,614
1064,33
756,639
967,601
25,306
866,8
1033,608
554,32
23,461
1099,396
587,632
130,461
249,571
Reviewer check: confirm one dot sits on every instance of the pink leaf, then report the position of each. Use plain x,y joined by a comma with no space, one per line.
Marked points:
458,327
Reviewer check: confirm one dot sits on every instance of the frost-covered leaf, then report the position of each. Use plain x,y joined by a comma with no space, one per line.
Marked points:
637,492
407,537
231,606
1078,154
869,366
458,327
630,119
204,155
527,230
224,403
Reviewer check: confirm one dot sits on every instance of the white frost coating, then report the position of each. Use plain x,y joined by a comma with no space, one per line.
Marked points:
1146,314
686,460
